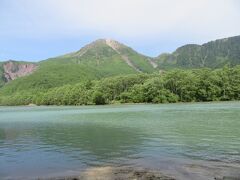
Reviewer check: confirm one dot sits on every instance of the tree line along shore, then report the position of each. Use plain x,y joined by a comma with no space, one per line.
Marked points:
199,85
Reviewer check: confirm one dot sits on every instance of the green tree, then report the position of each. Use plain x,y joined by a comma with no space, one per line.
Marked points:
98,98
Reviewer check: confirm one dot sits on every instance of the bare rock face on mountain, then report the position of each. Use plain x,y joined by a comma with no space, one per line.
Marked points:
12,70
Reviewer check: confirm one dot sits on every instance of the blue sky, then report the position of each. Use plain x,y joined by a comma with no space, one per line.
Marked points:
34,30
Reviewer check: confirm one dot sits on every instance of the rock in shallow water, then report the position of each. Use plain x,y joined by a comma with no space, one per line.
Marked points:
109,173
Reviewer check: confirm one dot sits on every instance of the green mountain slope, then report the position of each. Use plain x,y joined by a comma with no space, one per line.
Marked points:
214,54
102,58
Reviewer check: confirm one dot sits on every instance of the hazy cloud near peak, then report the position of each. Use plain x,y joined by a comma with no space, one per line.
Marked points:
135,22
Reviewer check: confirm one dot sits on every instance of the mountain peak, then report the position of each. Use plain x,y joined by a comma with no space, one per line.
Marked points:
114,44
108,50
110,42
99,43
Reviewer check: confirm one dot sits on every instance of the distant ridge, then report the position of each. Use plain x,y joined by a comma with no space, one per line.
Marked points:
214,54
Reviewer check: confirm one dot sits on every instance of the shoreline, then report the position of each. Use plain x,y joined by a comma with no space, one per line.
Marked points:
166,170
122,173
116,104
114,173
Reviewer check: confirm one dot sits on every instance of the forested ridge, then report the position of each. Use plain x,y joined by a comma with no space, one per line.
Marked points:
214,54
198,85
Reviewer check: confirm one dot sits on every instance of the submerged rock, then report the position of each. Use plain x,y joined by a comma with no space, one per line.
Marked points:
110,173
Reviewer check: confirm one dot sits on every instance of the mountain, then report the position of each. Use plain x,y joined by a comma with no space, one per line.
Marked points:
106,57
214,54
101,58
105,53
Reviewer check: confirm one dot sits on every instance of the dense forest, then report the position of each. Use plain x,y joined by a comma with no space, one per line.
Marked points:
165,87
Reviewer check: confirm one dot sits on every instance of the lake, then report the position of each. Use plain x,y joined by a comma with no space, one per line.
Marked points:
186,141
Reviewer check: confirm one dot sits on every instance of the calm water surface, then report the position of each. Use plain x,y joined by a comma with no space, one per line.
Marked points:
183,140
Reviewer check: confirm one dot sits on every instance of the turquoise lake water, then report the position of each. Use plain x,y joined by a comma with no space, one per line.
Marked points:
183,140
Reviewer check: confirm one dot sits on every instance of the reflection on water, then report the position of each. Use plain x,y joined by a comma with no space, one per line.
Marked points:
2,135
174,137
101,142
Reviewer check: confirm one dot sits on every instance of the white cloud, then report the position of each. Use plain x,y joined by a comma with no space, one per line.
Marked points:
123,18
